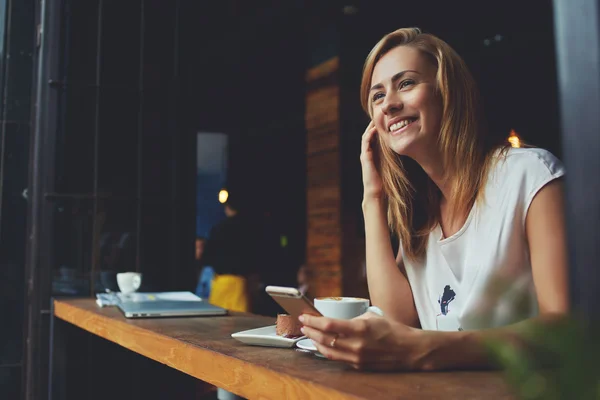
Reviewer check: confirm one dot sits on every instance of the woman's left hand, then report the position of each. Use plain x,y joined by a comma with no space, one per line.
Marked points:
367,342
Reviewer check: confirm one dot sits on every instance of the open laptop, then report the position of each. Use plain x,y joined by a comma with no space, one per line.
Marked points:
169,308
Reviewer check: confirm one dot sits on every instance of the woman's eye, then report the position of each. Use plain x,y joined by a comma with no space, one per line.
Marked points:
377,96
405,83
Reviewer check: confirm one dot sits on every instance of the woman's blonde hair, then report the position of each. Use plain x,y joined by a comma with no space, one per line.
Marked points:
413,199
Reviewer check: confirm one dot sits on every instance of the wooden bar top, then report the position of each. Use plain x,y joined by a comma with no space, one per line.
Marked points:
203,348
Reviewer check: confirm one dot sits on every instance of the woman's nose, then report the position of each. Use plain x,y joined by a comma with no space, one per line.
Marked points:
392,103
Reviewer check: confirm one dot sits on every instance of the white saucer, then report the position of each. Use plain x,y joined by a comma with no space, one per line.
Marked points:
265,336
307,344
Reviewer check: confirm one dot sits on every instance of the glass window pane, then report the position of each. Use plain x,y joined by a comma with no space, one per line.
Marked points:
120,43
157,145
75,141
118,143
81,41
156,231
73,232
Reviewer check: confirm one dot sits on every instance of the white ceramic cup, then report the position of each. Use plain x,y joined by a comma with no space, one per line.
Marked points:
129,282
342,307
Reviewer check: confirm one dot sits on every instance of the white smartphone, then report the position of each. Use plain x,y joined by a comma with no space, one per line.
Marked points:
292,300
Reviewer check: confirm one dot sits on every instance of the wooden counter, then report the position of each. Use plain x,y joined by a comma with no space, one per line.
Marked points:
203,348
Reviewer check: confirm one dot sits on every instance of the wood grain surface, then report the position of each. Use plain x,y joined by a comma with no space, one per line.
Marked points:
203,348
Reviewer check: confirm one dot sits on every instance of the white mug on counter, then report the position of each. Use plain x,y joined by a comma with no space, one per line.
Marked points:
129,282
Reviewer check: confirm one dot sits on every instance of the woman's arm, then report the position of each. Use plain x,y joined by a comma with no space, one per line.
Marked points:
378,343
388,287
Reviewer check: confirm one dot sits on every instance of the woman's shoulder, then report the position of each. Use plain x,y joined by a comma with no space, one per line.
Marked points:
522,172
517,175
528,161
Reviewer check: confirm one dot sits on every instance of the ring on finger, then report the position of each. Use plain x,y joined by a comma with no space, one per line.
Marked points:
332,343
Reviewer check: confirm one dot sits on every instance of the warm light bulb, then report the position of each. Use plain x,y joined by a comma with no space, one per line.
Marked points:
514,139
223,195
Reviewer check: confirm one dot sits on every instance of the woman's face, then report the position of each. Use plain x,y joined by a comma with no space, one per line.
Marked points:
407,109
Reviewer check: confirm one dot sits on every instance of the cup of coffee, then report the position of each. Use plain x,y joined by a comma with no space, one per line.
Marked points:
342,307
129,282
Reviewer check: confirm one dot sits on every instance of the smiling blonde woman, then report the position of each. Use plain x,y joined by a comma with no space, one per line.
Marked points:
481,227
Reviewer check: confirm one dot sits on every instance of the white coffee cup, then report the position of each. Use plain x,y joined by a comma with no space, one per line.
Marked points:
342,307
129,282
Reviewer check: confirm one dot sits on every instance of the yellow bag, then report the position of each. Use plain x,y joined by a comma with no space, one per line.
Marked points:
229,291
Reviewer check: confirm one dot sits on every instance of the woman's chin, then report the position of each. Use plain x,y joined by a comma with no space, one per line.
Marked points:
406,146
402,149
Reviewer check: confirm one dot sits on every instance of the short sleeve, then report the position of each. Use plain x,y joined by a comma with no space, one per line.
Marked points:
548,168
530,170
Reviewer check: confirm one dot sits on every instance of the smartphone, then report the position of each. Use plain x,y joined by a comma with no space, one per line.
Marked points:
292,300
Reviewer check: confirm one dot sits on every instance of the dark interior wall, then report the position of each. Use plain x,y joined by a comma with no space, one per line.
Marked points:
245,70
16,71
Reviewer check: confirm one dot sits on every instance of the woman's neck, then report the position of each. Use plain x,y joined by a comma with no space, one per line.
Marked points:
433,165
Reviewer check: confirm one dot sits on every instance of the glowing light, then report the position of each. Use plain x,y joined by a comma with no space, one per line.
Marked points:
514,139
223,196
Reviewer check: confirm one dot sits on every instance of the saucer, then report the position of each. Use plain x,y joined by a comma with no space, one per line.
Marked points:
265,336
307,344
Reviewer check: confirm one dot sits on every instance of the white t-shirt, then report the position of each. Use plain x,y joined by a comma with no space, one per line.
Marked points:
480,277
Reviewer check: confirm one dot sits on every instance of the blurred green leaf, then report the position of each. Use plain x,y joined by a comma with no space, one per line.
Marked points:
566,364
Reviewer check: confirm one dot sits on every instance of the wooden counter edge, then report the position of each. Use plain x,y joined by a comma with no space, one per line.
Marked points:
232,374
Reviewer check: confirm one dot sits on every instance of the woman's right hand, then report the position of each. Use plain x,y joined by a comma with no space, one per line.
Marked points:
372,183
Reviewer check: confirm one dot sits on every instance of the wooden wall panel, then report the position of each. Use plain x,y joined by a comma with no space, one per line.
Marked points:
324,241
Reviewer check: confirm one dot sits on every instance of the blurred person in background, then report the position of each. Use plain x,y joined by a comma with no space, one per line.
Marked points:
199,247
204,274
231,251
